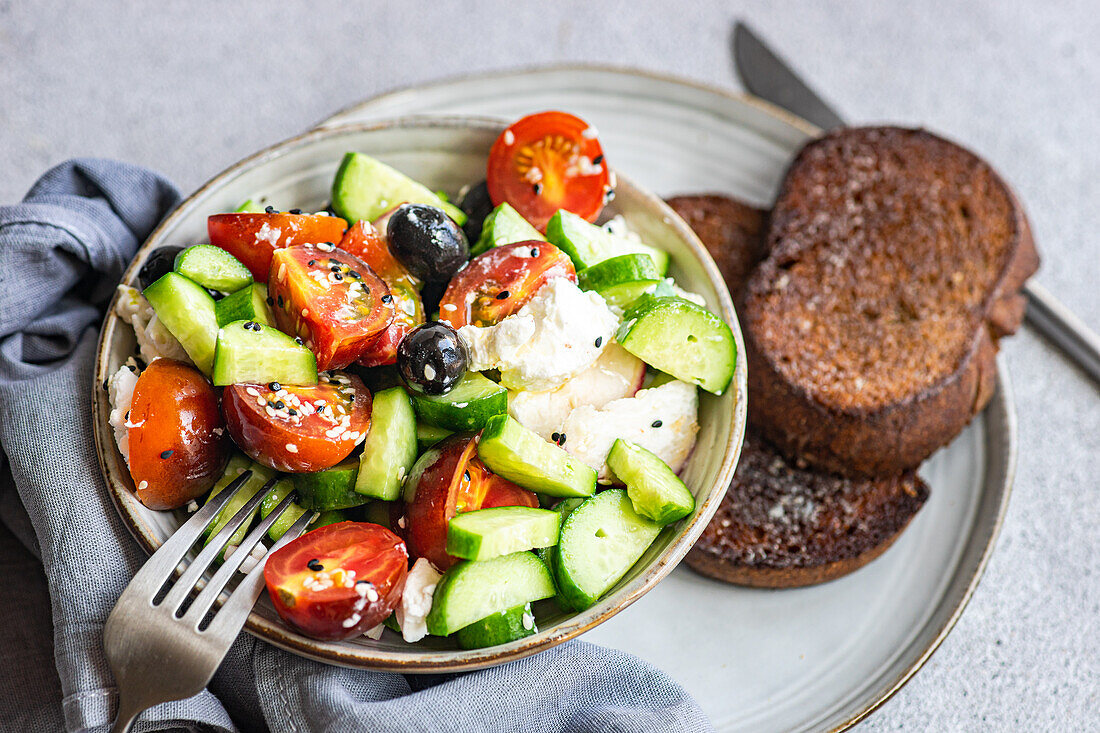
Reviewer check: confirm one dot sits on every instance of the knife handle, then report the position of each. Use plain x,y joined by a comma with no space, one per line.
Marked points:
1062,328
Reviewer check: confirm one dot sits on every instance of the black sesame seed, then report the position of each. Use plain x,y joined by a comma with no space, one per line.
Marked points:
270,300
534,251
279,404
355,274
555,436
562,441
167,453
598,159
338,276
292,412
248,325
104,384
127,416
537,189
387,298
609,195
274,386
657,423
466,475
503,295
311,263
315,565
294,211
320,409
335,268
280,301
257,327
269,209
298,340
599,341
132,368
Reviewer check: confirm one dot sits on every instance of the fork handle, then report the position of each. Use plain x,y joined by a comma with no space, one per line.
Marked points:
128,711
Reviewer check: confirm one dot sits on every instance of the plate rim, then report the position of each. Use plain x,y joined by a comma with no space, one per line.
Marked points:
1002,399
363,657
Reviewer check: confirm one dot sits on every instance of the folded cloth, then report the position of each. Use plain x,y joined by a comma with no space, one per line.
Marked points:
61,253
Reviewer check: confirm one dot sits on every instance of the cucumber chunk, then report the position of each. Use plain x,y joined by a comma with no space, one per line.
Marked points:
621,280
389,450
468,406
504,225
502,530
279,492
521,456
429,435
654,490
600,541
247,304
498,628
212,267
680,338
366,188
261,354
469,591
333,488
260,475
588,244
187,311
250,206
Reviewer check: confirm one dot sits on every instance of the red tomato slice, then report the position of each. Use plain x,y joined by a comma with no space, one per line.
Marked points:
453,480
330,298
364,241
299,429
253,238
497,283
177,443
338,581
549,161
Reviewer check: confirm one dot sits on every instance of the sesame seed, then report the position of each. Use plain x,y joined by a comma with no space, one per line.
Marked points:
338,276
279,405
561,440
274,386
270,300
269,209
315,565
311,263
555,436
537,188
167,454
298,340
599,341
656,424
598,159
280,301
534,251
294,211
466,475
503,295
104,384
387,298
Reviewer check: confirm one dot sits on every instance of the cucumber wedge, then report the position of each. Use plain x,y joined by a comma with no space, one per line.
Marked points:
468,406
498,628
519,455
469,591
212,267
260,475
588,244
489,533
429,435
333,488
504,225
247,304
366,188
600,541
621,280
279,492
187,311
261,354
389,450
680,338
654,490
250,206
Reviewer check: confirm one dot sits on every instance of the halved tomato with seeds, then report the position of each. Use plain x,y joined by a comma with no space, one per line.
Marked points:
549,161
449,478
338,581
176,433
253,238
299,429
497,283
331,299
366,243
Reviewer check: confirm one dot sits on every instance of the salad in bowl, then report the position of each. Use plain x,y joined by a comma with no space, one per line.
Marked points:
487,404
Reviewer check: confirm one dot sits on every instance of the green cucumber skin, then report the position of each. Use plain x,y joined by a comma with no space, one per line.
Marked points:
579,544
487,533
497,628
188,312
587,244
444,411
352,211
333,488
260,475
653,331
545,468
654,490
212,267
390,448
471,590
504,225
247,304
292,513
429,435
242,355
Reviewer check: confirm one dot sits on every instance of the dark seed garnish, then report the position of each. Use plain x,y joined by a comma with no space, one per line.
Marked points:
311,263
387,298
291,411
270,300
537,189
294,211
269,209
132,368
279,404
609,195
127,416
274,386
335,268
657,424
597,160
167,453
280,301
104,384
534,252
555,437
298,340
249,325
315,565
562,440
599,341
466,475
338,276
355,274
503,295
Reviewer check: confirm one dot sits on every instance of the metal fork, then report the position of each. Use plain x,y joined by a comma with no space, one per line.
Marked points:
163,641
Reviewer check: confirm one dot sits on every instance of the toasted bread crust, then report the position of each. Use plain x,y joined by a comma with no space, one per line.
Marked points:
732,231
923,380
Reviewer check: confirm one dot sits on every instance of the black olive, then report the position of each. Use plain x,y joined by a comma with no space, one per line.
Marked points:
427,242
432,358
477,205
159,263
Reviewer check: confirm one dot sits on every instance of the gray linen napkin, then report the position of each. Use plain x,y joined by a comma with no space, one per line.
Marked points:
62,252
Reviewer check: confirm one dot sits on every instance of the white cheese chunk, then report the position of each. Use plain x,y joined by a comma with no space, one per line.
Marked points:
663,420
416,600
120,391
154,340
557,334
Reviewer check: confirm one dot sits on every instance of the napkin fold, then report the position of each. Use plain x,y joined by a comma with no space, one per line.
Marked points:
62,251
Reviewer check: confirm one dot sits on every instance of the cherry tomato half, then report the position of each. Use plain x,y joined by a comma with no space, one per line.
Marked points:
330,298
549,161
497,283
338,581
452,480
299,429
365,242
178,445
253,238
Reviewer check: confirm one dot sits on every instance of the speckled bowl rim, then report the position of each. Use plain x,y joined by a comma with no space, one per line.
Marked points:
362,656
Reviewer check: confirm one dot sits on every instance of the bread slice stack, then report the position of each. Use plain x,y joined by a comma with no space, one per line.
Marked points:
872,300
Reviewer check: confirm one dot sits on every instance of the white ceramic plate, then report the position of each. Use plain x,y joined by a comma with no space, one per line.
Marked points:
758,660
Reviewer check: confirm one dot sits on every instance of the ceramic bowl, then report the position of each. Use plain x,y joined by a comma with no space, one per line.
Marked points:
446,154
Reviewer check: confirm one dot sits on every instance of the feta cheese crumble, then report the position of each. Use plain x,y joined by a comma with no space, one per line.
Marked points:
416,600
120,391
557,334
154,340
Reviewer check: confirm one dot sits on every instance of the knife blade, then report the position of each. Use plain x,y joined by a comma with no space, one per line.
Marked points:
767,76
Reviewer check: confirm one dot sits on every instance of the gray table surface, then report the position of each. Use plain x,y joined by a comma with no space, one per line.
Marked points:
191,88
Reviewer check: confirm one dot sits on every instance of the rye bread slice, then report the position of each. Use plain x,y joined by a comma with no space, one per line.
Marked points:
732,231
780,526
895,260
